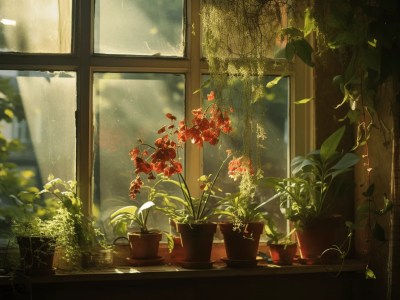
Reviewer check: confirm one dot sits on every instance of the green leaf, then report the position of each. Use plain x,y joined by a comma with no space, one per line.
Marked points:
371,58
388,205
309,22
124,210
379,233
329,146
370,191
9,113
303,101
292,32
145,206
348,160
274,82
369,274
290,51
304,51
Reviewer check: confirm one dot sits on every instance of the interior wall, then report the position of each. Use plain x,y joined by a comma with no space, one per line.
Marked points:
375,167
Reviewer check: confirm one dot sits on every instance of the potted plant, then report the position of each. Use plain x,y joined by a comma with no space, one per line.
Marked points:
36,245
143,241
282,249
191,214
308,197
82,243
243,216
35,232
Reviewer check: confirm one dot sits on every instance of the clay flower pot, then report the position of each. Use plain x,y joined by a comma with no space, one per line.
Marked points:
197,240
282,254
36,254
144,245
320,235
241,244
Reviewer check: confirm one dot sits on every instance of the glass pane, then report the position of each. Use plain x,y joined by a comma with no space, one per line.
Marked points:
139,27
33,26
265,137
127,107
37,130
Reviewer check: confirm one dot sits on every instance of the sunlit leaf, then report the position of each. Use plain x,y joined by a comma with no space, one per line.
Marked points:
369,274
329,146
303,101
274,82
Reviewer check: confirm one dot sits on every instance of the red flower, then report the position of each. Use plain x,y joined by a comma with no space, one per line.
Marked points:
161,130
170,116
211,96
206,126
134,188
142,166
239,166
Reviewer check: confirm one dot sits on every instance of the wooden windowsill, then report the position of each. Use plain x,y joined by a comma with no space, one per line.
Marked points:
219,270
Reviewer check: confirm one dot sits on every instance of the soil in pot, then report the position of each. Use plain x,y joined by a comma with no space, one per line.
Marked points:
36,254
282,254
197,240
241,244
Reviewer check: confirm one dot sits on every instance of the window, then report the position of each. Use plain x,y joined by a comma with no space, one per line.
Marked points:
96,75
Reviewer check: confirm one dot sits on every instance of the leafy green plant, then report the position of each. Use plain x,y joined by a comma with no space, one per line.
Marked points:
304,196
275,236
126,216
81,235
242,207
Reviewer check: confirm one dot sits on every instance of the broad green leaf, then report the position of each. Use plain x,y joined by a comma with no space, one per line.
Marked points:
274,82
303,101
348,160
290,51
125,210
329,146
309,22
292,32
145,206
304,51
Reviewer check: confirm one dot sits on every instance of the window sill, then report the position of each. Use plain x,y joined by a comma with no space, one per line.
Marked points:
219,270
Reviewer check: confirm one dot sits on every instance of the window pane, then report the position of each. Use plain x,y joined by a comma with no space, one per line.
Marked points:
37,130
127,107
265,137
35,26
139,27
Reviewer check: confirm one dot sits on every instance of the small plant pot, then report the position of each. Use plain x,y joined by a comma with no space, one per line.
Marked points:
282,254
241,244
320,235
144,245
36,254
197,240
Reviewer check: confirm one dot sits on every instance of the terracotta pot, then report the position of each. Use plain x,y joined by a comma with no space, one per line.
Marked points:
177,254
36,254
241,244
144,246
281,254
320,235
197,240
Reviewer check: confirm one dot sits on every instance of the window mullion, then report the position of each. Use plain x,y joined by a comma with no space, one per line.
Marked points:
85,13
